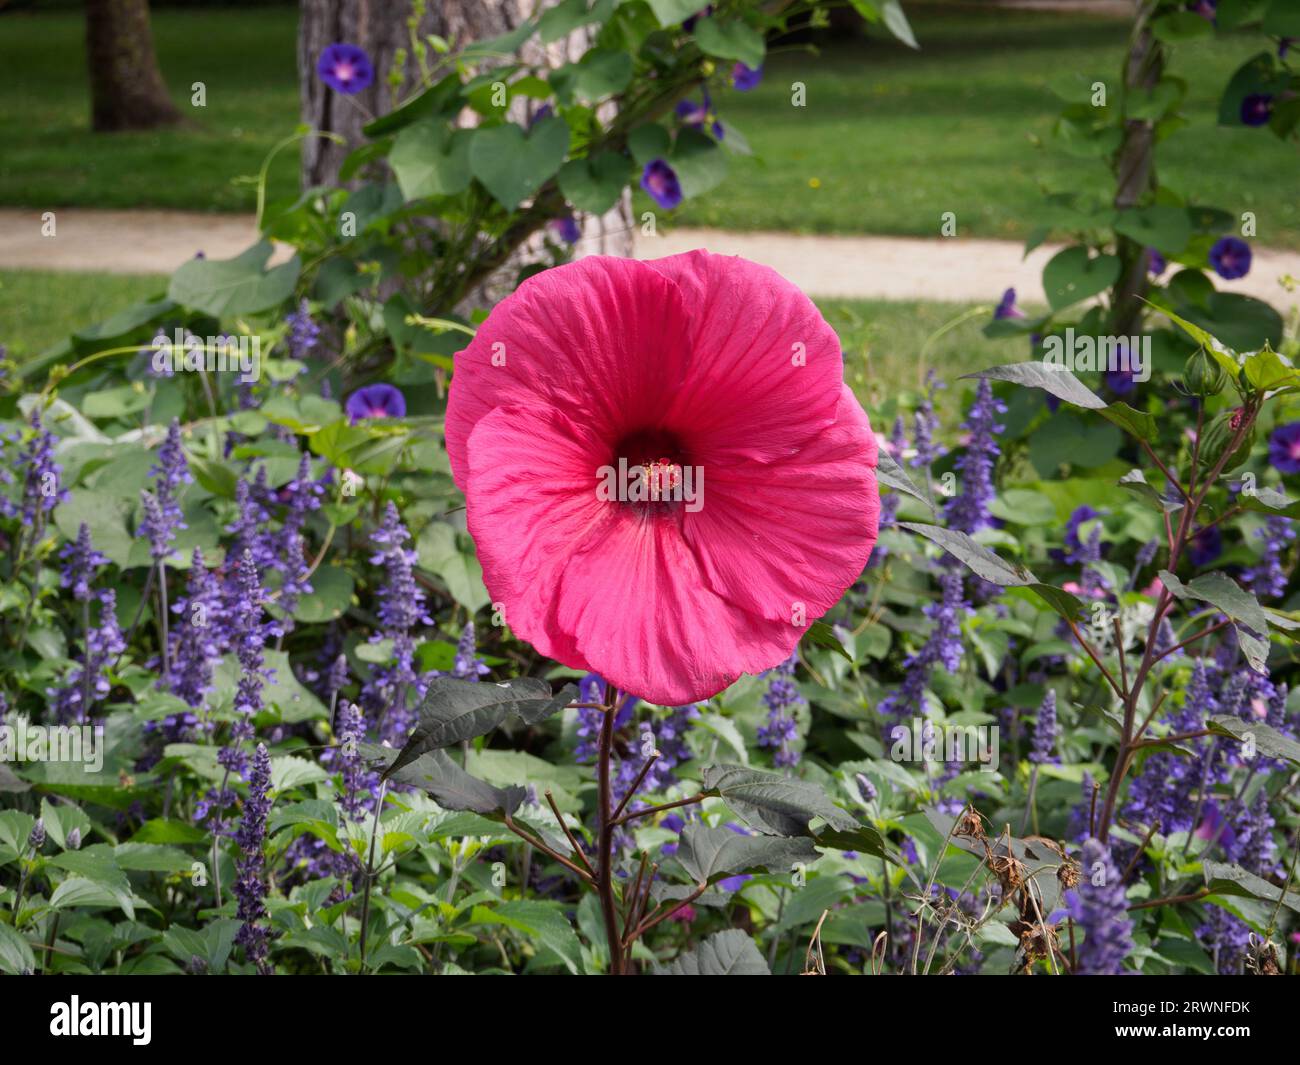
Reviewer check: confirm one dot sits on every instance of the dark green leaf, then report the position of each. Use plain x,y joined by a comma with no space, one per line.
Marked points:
774,804
729,953
707,853
1059,382
979,560
229,287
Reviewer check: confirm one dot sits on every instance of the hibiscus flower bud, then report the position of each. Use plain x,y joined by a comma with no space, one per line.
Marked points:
1203,376
1218,437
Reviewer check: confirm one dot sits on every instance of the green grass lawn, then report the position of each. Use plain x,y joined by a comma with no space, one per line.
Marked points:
887,346
892,138
38,308
244,57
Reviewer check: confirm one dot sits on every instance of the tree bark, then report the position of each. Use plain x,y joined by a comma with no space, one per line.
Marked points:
379,26
127,90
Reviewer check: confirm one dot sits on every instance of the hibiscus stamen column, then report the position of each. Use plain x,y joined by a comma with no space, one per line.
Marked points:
605,836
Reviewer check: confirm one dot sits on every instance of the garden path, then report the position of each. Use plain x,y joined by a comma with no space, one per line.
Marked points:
893,268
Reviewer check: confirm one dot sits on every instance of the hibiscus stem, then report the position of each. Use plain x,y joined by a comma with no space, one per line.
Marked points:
605,846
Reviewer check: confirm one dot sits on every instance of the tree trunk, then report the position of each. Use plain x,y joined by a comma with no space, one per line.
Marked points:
127,90
1135,174
379,26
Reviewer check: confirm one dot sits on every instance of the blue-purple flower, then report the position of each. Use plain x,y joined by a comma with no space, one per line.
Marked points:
1230,257
660,182
1100,911
379,400
1156,264
345,68
81,563
1257,109
1046,732
303,331
968,511
782,700
565,228
744,78
250,883
1205,545
1284,447
1007,307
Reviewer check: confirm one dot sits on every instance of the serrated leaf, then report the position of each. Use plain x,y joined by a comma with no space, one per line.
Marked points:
1135,482
706,853
729,953
1267,740
774,804
1224,879
979,560
455,710
892,475
1059,381
1220,590
451,787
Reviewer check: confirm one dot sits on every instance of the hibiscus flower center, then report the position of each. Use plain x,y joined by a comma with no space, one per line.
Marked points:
649,462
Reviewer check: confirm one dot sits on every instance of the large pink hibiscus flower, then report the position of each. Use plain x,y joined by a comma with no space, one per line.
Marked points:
695,364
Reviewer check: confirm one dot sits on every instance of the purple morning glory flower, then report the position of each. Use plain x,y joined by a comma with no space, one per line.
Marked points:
744,78
1284,447
1205,546
1207,9
543,112
1230,258
700,115
1257,109
660,181
1121,381
566,228
1156,264
1007,308
375,401
345,68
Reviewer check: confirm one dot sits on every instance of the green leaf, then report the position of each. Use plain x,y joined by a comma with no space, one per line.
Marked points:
673,12
1136,423
707,853
1240,322
1135,481
1266,739
442,97
892,475
701,165
729,953
733,39
1059,381
331,595
1068,606
1266,371
979,560
896,22
513,165
774,804
16,957
820,634
431,160
1165,228
455,710
594,184
231,287
1225,879
600,73
1072,275
542,921
439,552
1220,590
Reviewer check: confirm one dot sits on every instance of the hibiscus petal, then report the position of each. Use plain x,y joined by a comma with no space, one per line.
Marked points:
601,585
604,339
758,341
784,539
